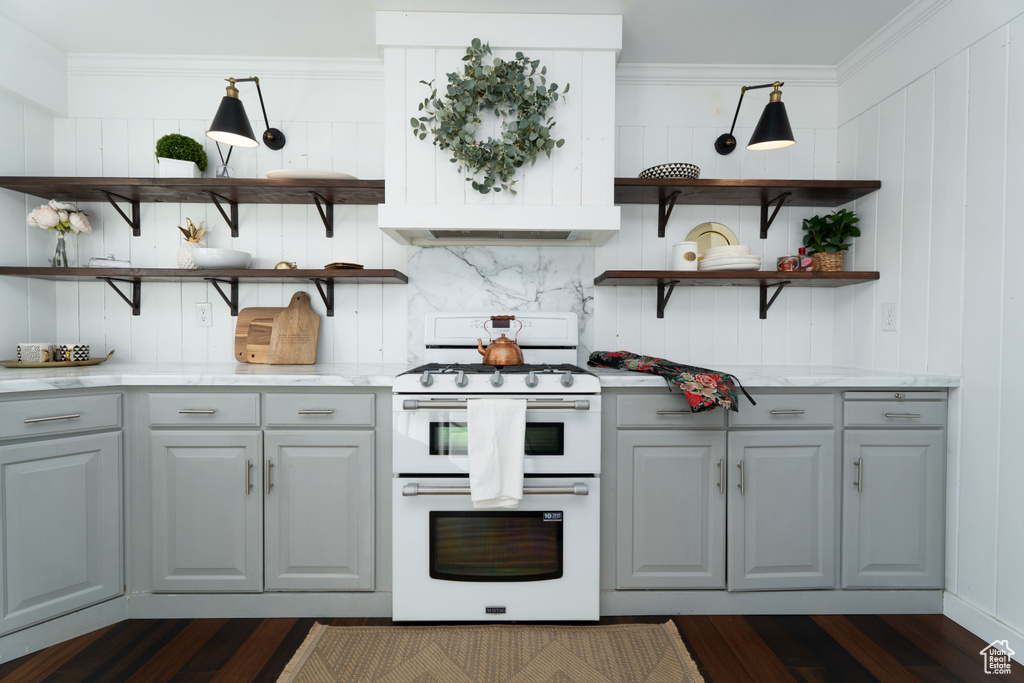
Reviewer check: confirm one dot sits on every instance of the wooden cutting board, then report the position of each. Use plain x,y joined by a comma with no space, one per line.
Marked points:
257,343
295,334
246,316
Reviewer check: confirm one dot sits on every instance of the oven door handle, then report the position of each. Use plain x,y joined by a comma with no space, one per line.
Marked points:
460,404
576,489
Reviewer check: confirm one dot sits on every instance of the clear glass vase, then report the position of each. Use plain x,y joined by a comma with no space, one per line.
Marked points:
63,251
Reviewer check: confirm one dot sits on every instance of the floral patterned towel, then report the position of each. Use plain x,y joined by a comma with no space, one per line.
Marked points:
704,388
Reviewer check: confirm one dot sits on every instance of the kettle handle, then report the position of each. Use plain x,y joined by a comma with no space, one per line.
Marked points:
503,317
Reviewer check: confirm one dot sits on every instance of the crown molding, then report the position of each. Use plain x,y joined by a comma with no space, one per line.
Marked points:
23,40
902,24
205,66
724,74
39,73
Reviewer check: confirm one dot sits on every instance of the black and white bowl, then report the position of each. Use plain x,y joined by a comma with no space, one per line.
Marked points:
687,171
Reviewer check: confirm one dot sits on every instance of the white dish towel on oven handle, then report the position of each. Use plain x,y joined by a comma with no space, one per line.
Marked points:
496,444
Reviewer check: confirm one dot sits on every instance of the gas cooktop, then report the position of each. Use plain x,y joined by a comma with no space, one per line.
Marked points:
478,368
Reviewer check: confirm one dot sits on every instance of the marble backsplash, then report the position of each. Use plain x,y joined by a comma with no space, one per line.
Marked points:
500,279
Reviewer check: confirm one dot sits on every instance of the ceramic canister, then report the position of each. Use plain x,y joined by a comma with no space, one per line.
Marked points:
684,256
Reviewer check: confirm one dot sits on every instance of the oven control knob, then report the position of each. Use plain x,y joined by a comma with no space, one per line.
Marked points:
426,379
496,379
461,380
531,379
566,380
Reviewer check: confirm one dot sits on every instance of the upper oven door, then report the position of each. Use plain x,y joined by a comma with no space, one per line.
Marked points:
563,434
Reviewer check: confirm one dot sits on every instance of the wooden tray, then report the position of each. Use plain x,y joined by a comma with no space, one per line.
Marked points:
59,364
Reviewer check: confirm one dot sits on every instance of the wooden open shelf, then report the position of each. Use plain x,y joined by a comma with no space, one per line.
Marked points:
324,279
667,280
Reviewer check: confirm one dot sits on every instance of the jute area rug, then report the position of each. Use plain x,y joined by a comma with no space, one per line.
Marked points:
626,653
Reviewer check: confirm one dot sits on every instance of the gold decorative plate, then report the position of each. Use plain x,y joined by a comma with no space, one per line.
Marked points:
708,235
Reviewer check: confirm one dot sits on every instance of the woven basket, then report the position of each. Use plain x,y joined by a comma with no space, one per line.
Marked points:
830,262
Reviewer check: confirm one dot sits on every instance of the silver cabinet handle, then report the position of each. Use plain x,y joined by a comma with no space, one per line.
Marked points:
675,412
416,404
248,476
742,491
721,476
908,415
786,412
576,489
328,411
859,464
197,411
33,420
268,466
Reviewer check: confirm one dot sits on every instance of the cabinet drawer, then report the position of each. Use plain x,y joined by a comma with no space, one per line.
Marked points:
787,410
669,411
59,415
204,409
894,413
319,410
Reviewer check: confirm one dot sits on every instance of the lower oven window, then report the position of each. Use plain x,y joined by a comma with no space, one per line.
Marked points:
542,438
496,546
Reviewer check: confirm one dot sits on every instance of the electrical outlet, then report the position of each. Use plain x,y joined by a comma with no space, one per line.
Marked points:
890,317
204,315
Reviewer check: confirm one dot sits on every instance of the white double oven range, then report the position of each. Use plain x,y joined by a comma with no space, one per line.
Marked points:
453,562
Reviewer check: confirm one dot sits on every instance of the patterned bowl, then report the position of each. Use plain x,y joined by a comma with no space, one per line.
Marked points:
687,171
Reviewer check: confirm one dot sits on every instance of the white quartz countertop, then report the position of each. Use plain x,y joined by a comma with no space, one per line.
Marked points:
382,375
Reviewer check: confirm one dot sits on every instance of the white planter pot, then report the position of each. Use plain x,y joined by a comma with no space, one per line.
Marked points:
175,168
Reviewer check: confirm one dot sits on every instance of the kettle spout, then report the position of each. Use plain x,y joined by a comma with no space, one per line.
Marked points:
480,347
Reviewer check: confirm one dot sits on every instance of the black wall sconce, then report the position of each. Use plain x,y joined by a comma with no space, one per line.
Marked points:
772,131
231,125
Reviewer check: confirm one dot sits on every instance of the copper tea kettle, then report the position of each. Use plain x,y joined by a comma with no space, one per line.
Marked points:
501,351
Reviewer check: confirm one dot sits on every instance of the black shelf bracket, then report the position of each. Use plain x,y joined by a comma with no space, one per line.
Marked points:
135,301
134,222
232,220
765,220
326,210
766,303
665,290
231,301
328,295
665,206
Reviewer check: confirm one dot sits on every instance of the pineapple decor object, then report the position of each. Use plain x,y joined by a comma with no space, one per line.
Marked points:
193,238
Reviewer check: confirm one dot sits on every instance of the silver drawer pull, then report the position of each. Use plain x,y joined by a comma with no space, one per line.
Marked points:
786,412
33,420
416,404
577,489
675,412
908,415
316,412
197,411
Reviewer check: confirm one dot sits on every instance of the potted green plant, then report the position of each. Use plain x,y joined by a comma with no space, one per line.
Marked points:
180,156
827,237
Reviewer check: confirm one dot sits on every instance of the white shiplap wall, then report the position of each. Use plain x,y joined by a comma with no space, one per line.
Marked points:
947,147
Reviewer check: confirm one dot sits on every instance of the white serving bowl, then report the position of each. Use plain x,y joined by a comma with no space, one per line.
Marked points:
221,259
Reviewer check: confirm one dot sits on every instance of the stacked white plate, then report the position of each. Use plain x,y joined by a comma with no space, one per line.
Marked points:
729,257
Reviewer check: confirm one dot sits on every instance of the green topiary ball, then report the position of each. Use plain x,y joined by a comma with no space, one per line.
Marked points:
182,148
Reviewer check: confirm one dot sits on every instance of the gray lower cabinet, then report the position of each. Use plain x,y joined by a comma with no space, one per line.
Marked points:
893,505
782,510
207,508
671,509
61,515
318,510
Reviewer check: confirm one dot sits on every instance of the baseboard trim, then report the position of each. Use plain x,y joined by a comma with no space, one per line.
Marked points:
61,629
983,625
257,605
626,603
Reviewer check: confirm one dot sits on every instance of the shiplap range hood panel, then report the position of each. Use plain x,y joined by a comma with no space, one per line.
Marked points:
565,200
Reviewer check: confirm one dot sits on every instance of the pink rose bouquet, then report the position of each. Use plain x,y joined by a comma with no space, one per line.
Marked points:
60,216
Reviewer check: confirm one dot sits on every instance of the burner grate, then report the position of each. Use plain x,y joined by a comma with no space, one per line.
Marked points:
480,368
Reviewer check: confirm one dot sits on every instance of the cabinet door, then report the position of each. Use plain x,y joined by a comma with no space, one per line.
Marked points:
319,510
671,509
61,543
207,511
893,492
782,510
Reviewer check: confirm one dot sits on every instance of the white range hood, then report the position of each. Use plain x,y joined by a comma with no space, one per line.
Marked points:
565,200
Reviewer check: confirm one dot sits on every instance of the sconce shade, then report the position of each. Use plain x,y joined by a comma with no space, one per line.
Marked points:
231,125
773,130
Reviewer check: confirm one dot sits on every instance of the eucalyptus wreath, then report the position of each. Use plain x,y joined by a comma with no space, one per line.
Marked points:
514,90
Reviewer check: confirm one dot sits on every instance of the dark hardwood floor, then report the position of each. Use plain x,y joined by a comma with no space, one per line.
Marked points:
728,649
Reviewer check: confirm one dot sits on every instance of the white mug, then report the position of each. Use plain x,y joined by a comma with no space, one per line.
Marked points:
684,256
35,352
